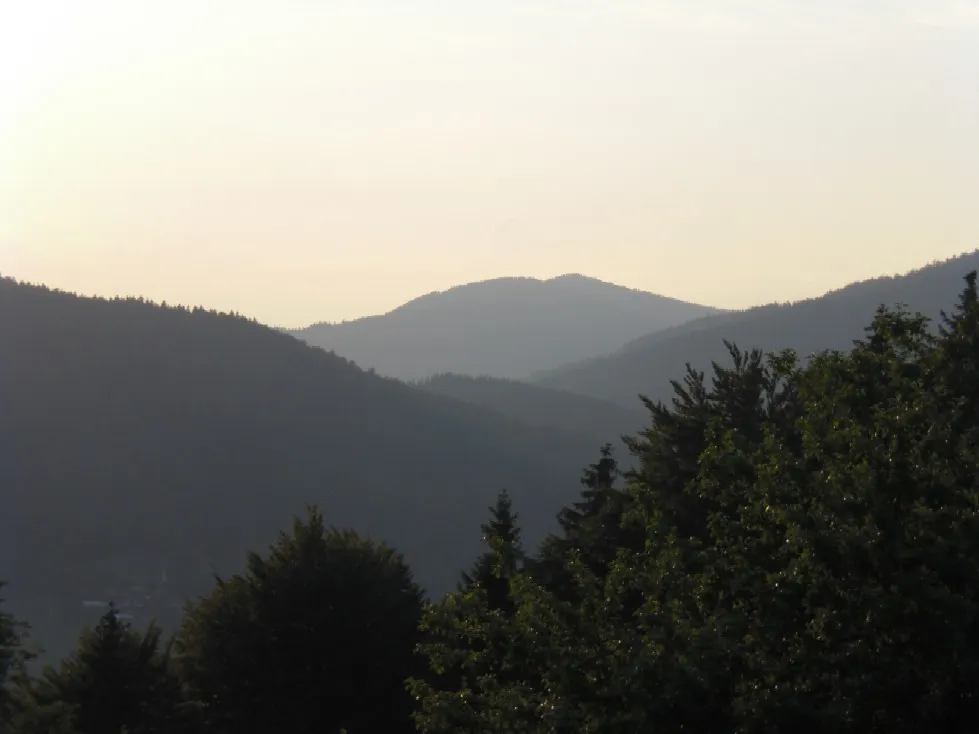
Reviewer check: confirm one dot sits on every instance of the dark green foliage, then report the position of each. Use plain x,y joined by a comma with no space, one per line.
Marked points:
503,558
13,656
592,529
488,582
598,480
822,576
116,679
178,439
746,396
33,718
316,635
832,321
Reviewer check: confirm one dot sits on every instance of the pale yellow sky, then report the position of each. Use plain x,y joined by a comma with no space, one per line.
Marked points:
324,159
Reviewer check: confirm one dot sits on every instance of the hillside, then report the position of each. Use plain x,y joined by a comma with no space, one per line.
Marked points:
142,446
509,327
831,321
540,406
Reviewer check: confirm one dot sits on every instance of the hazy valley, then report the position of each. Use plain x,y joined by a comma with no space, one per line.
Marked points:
144,448
175,440
489,367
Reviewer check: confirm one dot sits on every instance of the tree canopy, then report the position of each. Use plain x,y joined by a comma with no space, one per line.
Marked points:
316,635
13,656
810,560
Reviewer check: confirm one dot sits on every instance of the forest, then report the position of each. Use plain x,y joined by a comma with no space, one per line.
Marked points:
790,543
170,441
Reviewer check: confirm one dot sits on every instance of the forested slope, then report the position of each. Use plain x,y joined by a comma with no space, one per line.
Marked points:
831,321
541,406
138,441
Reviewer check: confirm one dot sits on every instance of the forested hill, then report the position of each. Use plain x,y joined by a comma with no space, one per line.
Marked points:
508,327
831,321
136,438
542,406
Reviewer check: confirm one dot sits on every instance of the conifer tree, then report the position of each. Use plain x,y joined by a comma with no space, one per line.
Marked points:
598,480
13,655
503,558
116,677
593,528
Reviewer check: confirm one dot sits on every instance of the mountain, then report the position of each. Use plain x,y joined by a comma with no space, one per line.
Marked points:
831,321
143,447
509,327
541,406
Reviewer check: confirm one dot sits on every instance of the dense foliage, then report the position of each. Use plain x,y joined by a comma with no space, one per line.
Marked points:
316,636
115,680
795,547
810,561
13,656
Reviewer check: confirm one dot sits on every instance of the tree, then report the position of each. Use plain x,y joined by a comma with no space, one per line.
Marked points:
316,635
816,569
115,678
14,656
550,660
594,527
503,558
598,498
31,717
753,392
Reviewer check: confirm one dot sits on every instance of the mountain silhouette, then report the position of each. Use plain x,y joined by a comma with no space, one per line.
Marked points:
508,327
832,321
136,437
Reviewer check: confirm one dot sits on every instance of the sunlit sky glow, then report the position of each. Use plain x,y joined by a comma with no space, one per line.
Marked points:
327,159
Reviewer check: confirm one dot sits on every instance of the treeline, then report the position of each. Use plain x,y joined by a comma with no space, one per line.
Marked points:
796,549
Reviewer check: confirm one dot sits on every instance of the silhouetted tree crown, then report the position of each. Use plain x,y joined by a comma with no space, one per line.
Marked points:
316,635
116,679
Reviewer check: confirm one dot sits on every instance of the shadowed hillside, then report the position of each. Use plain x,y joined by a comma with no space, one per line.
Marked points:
143,446
831,321
540,406
509,327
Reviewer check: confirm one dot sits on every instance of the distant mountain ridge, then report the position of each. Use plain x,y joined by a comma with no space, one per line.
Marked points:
832,321
505,327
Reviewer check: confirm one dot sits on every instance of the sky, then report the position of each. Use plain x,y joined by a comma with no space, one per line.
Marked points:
319,160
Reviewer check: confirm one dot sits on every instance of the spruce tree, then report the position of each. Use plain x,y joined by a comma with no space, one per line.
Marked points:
594,528
14,656
598,480
116,677
503,558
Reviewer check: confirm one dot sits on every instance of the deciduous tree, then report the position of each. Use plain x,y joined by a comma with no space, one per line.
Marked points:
316,635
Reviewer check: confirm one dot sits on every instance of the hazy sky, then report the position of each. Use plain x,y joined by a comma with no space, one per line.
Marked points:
326,159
